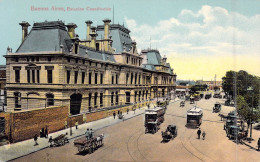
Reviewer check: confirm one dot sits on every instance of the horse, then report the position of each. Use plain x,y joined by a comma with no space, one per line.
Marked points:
99,139
222,116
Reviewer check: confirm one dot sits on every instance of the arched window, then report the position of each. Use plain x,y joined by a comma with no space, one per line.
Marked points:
75,103
49,99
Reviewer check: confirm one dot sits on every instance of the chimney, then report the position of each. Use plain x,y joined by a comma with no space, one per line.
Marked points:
134,47
71,29
164,59
106,33
24,25
88,28
93,36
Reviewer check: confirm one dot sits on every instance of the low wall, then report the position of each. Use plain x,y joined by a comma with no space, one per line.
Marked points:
25,124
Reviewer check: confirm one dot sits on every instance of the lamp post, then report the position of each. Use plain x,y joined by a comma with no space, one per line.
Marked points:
250,89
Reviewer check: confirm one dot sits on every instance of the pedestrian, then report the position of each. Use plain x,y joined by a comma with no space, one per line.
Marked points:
91,133
203,135
87,134
76,124
46,132
114,114
134,110
66,124
41,134
127,110
258,144
118,112
148,105
199,132
35,139
50,141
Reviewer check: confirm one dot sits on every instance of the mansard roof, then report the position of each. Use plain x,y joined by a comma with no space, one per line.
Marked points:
120,36
46,36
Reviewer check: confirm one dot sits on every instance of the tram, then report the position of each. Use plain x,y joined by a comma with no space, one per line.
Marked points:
194,117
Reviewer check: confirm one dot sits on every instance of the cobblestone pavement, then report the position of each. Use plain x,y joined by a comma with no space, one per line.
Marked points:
126,141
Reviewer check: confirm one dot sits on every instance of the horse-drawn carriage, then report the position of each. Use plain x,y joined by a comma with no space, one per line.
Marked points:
90,145
182,103
217,107
153,119
59,141
208,96
169,133
192,100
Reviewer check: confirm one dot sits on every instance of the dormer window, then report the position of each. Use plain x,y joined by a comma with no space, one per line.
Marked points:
76,48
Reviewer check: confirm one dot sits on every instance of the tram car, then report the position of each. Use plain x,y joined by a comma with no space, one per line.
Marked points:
153,119
194,117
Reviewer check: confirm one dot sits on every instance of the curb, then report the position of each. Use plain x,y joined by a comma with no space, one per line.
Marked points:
82,134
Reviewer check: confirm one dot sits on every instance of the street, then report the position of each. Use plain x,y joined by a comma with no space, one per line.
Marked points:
126,141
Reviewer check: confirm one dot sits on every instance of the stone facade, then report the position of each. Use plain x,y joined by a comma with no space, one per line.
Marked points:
53,67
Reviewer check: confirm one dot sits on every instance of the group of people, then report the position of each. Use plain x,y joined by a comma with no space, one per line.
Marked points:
44,132
199,133
89,133
118,113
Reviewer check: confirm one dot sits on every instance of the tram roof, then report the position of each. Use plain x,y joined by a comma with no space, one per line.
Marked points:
194,111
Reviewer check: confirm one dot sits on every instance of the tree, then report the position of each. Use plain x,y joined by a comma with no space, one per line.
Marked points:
228,82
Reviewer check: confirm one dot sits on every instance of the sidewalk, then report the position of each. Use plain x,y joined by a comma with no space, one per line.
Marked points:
16,150
19,149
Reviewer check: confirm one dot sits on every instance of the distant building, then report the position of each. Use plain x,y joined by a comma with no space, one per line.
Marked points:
53,67
210,84
2,86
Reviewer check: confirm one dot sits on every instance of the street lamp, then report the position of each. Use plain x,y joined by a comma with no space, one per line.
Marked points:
250,89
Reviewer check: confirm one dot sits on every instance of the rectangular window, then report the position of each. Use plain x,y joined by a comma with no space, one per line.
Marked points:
49,59
76,77
49,76
28,76
89,78
116,79
112,81
101,78
112,98
101,99
96,76
89,99
83,77
17,76
38,76
68,77
17,99
33,76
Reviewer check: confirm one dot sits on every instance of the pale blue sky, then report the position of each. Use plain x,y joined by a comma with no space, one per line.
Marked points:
138,14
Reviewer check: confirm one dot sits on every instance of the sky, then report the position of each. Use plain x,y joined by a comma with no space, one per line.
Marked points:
201,38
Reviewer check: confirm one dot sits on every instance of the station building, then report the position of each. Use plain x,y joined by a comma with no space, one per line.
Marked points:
54,67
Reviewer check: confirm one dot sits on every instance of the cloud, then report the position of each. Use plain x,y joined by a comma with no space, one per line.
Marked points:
212,33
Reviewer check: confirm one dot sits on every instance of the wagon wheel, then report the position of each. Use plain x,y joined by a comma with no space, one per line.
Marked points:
81,148
63,142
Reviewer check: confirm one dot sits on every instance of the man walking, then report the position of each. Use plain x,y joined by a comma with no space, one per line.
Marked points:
258,143
199,132
114,114
203,135
35,139
76,124
127,110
